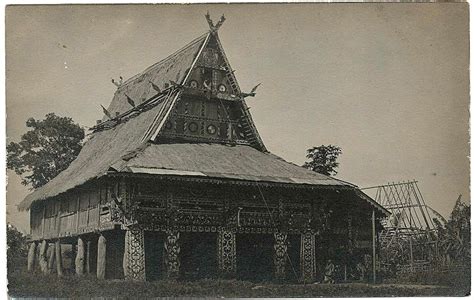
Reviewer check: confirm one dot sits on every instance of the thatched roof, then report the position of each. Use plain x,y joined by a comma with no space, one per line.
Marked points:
139,89
103,149
124,145
221,161
106,147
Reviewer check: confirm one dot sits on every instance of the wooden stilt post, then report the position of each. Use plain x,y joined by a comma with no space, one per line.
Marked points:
59,258
88,257
43,260
80,257
31,256
101,251
52,254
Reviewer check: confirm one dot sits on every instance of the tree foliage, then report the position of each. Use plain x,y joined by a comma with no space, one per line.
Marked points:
323,159
45,150
455,236
16,241
16,246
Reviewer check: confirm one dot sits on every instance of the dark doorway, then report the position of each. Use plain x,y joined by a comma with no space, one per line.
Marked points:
293,270
255,257
91,250
198,255
154,254
68,256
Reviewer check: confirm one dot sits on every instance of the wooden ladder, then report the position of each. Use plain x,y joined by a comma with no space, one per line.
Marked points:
230,79
247,128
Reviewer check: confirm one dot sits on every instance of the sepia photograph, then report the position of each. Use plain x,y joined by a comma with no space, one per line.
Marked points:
239,150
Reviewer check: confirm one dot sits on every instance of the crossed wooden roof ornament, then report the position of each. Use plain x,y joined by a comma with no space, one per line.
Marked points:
213,27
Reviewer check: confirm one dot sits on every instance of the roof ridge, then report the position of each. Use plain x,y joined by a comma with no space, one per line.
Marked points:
137,90
196,40
134,111
150,133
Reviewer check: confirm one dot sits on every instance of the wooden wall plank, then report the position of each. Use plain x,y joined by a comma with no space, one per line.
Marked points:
70,214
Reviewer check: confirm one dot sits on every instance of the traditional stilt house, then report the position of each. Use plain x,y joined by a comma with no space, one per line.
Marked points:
175,182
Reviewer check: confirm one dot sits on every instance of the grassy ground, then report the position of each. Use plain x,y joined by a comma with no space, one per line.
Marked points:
23,284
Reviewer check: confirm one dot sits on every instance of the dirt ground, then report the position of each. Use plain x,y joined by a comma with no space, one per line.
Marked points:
23,284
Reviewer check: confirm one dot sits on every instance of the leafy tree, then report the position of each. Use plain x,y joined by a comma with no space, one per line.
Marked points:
323,159
16,246
16,241
45,150
459,228
455,236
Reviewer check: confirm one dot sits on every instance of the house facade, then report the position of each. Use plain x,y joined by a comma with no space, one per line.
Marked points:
175,182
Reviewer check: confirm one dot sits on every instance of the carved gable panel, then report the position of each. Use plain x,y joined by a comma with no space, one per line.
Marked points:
210,108
208,120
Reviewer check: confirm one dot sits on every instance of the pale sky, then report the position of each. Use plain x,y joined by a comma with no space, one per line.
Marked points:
388,83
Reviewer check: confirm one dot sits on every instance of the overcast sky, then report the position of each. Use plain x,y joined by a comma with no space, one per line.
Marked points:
388,83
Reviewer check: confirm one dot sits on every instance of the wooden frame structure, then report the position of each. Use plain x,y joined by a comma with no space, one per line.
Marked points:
409,236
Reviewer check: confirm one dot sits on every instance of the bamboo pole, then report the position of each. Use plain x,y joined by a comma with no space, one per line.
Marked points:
411,255
345,273
374,260
125,258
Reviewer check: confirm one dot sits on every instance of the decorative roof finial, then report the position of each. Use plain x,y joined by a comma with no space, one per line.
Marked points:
213,27
252,93
118,83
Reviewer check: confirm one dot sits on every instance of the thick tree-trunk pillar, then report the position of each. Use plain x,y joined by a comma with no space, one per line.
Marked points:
43,258
134,254
172,250
52,254
280,255
80,257
31,256
101,251
226,251
88,257
308,257
59,258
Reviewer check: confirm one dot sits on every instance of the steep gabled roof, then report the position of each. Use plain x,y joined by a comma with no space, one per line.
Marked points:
102,150
173,68
114,138
211,40
125,143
